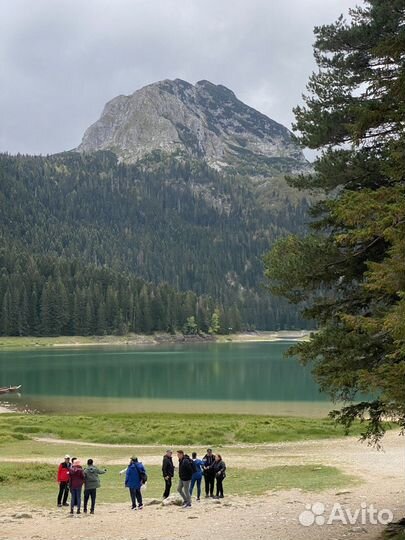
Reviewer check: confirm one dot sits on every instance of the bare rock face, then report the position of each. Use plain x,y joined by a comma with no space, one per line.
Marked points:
203,121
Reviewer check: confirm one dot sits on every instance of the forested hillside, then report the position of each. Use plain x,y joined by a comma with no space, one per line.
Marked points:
89,227
52,296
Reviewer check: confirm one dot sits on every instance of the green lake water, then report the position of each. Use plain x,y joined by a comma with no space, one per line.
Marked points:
221,377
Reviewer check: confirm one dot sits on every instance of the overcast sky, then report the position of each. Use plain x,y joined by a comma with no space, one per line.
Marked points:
61,60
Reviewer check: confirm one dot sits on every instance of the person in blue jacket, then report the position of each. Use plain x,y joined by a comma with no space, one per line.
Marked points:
134,478
197,475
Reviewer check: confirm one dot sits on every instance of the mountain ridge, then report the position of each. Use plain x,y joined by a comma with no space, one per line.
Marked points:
203,121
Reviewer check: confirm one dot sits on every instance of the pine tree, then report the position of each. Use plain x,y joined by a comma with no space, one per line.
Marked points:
215,326
5,315
350,271
23,315
101,327
146,323
190,327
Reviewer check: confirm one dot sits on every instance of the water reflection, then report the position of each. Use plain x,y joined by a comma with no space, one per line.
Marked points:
208,372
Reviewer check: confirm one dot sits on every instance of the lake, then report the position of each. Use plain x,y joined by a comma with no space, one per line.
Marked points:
208,377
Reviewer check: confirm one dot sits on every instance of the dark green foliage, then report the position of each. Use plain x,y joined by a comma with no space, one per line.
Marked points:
166,220
59,297
350,271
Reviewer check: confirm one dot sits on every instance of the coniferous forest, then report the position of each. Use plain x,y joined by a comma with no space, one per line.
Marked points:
90,246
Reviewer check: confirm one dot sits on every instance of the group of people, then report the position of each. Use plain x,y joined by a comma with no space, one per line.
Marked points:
72,477
191,472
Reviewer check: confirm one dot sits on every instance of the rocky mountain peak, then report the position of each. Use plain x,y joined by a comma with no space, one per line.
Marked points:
204,121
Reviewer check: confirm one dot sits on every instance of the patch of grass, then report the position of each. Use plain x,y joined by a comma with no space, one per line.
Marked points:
11,473
397,536
305,477
35,484
169,429
394,531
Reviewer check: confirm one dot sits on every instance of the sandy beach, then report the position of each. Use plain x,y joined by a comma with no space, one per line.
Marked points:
275,516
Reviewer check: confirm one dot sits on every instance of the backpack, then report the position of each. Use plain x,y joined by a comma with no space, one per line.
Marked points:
142,475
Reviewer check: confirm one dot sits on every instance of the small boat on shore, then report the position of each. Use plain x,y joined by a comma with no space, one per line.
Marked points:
10,389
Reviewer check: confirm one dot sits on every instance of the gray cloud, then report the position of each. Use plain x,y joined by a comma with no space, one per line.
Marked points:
61,60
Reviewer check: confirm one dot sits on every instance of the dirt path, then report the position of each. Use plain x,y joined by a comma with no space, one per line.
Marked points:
274,517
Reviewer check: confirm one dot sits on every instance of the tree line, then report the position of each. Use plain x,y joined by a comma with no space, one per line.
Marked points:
44,296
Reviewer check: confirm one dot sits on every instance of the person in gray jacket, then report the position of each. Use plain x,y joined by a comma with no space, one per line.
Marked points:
91,483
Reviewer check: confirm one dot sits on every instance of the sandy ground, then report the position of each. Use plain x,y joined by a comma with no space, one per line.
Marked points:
274,516
158,338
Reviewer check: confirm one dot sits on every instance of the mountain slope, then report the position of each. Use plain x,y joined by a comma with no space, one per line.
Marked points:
175,222
176,184
204,121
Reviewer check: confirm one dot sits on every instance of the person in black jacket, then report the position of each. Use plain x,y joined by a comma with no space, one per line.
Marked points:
168,472
186,469
209,474
219,469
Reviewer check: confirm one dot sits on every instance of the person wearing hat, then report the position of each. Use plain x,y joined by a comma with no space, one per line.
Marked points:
168,472
209,474
76,481
134,478
63,480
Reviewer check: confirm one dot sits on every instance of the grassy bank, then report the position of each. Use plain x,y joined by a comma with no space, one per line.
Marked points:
14,480
26,460
168,429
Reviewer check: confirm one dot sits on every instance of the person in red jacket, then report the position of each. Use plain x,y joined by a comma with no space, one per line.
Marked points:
76,481
63,479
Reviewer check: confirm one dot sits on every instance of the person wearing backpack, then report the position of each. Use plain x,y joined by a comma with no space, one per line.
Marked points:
219,469
91,483
197,475
186,470
168,472
135,477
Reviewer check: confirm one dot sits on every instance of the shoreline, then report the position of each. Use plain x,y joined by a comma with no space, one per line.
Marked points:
158,338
